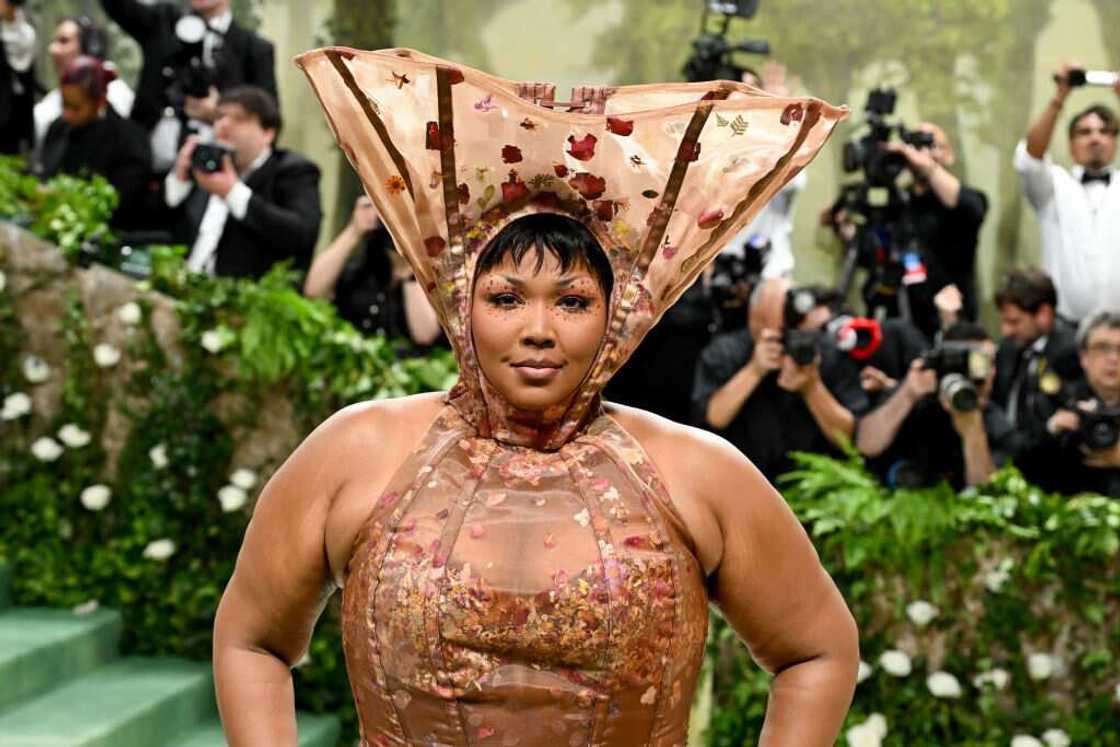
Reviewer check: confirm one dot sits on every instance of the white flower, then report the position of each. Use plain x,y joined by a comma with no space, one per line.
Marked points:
15,406
130,313
46,449
303,660
86,608
877,722
158,455
232,498
1116,693
96,497
896,663
244,478
1025,740
862,736
106,356
943,685
160,549
921,612
994,580
863,672
996,678
35,369
1056,738
73,436
1040,666
3,281
218,339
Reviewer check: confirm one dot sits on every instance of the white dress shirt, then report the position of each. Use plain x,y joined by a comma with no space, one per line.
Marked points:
1080,226
204,253
774,223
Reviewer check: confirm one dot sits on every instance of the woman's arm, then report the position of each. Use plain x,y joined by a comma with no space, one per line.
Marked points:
280,585
774,592
328,264
419,315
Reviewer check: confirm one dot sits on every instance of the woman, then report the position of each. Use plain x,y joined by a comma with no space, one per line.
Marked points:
522,563
74,37
91,138
371,284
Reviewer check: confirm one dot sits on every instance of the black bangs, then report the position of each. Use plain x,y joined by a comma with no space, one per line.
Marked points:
566,239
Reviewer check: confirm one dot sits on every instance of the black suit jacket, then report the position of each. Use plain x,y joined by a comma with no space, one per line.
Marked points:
17,124
282,221
246,58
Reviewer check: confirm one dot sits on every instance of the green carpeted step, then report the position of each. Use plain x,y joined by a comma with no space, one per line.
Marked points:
314,731
5,586
129,703
43,648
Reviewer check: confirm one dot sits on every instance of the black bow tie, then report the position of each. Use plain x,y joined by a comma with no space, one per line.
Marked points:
1100,176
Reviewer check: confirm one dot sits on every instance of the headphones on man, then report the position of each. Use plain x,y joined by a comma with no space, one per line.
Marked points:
92,40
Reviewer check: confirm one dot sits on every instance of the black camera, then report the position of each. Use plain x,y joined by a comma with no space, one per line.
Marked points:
1100,428
960,366
207,157
801,345
733,278
187,74
711,57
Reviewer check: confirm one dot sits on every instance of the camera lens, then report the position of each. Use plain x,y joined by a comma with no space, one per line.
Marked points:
960,392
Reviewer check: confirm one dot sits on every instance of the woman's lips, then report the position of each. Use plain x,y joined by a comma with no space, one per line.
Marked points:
537,374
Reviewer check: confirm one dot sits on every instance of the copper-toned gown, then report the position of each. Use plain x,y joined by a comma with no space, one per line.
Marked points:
500,595
530,585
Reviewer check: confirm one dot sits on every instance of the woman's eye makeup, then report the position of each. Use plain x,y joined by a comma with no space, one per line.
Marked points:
575,303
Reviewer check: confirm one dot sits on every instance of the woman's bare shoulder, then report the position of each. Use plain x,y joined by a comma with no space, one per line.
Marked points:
375,417
686,458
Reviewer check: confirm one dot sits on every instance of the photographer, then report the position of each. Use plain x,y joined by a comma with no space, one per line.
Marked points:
187,65
370,283
947,216
750,389
1083,437
17,79
1079,209
940,422
251,205
74,37
1037,357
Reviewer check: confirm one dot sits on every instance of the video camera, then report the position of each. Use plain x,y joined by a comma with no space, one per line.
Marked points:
885,241
208,157
711,57
188,74
960,368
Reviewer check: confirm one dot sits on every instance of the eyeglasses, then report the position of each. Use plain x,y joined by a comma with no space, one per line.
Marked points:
1105,348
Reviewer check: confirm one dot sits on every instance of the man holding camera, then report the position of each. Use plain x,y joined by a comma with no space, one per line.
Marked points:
940,422
1036,361
251,205
1085,434
190,57
1078,209
770,392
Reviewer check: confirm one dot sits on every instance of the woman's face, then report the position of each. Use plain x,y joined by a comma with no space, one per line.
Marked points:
537,333
78,107
65,45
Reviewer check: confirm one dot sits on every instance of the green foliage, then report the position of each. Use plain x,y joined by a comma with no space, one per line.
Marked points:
66,210
1011,569
165,429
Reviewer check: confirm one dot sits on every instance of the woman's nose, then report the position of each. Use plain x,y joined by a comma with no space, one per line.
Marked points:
538,330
